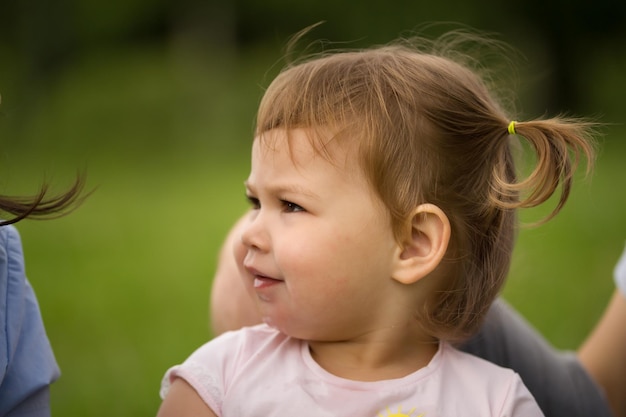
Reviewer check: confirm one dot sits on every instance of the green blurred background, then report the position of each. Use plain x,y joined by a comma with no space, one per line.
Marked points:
155,101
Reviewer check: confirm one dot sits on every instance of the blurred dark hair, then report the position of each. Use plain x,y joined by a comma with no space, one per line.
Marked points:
42,205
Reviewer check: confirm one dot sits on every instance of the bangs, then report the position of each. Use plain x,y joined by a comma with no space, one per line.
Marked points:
303,96
321,96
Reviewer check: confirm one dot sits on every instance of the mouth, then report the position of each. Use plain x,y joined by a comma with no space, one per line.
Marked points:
264,282
260,280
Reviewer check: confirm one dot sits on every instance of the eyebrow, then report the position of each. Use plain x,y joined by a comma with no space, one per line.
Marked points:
279,189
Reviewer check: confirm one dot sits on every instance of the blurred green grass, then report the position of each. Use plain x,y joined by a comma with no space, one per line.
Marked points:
124,281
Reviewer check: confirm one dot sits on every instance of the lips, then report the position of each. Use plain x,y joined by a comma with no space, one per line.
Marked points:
264,282
260,280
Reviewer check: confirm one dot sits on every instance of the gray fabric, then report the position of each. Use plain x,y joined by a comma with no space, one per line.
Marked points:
556,378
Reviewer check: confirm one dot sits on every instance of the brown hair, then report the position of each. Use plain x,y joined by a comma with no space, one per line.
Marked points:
429,130
42,205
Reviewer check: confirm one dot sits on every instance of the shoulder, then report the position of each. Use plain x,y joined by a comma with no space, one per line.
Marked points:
468,366
238,345
14,288
10,243
231,351
211,369
242,342
9,236
503,387
257,332
471,362
11,256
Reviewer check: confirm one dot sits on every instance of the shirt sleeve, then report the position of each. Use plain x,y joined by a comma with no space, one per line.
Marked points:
520,402
212,369
207,370
27,363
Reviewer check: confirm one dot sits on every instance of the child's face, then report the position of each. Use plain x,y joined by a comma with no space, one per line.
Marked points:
319,245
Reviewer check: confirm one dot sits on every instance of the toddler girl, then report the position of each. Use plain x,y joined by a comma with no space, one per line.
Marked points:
384,199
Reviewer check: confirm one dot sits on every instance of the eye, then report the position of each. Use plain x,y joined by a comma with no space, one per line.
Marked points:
254,202
290,207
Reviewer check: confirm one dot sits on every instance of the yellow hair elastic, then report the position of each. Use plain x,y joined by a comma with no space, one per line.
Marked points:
512,127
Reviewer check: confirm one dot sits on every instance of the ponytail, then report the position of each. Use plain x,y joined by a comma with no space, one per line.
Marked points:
559,144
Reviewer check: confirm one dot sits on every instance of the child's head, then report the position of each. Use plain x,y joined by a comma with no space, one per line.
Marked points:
426,129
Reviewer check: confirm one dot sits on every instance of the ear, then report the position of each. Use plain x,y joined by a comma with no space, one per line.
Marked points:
425,245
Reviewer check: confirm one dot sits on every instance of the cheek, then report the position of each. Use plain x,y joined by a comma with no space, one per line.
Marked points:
306,256
312,242
318,260
325,262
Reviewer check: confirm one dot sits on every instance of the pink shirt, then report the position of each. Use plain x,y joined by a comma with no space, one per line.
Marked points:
258,371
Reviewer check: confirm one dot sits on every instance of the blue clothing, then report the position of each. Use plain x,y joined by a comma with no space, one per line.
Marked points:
27,363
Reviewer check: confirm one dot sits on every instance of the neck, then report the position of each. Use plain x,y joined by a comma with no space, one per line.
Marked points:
380,354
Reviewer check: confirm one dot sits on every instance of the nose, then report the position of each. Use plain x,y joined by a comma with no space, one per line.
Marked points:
254,233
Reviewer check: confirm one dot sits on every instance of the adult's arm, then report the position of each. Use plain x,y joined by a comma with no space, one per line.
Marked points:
604,352
230,305
27,363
